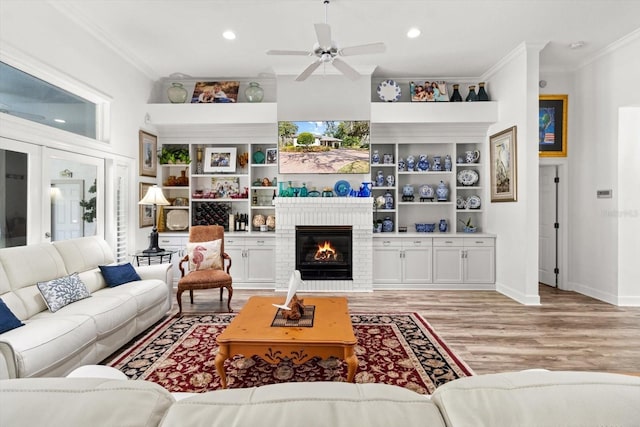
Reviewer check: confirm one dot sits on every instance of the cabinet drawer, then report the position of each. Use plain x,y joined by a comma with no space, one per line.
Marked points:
387,243
417,243
447,241
480,241
172,240
261,242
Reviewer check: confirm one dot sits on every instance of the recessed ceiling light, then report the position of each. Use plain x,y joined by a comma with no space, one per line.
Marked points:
229,35
60,120
576,45
413,33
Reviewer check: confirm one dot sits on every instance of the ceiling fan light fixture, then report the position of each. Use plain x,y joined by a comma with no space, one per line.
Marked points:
229,35
413,33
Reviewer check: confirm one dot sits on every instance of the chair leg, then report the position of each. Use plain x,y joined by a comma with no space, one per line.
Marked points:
179,296
191,295
230,289
221,288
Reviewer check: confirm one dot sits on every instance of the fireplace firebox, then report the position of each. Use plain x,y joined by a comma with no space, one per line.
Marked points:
324,252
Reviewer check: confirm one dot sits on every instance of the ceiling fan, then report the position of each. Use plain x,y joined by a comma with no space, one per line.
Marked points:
327,51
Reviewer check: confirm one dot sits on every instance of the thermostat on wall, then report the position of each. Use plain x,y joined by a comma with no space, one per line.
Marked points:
604,194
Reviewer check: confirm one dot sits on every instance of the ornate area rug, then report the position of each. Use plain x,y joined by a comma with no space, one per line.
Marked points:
400,349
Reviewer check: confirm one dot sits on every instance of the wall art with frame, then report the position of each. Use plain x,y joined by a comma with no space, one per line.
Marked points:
146,211
552,125
503,155
220,159
148,154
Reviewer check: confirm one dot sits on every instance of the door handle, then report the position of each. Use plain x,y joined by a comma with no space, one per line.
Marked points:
47,235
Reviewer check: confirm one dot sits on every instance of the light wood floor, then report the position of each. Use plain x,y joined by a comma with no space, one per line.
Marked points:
493,333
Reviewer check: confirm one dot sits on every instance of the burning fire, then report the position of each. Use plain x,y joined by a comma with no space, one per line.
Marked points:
325,252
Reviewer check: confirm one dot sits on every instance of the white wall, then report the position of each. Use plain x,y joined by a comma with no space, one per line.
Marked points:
601,158
514,81
39,31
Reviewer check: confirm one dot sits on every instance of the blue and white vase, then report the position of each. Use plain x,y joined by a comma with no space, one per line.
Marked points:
447,163
375,157
387,225
380,179
423,163
401,165
388,200
443,226
442,192
411,163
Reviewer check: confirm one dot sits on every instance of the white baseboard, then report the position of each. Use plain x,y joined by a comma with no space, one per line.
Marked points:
517,295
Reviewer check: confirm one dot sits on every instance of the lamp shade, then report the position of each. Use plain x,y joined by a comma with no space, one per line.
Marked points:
154,196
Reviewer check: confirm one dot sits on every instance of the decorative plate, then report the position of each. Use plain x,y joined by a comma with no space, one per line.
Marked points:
258,157
468,177
389,91
342,188
178,220
426,191
473,202
460,203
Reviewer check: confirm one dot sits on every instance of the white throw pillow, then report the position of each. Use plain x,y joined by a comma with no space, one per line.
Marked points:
63,291
205,255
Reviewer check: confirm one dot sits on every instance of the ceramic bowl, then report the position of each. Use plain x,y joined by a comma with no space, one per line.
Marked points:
425,228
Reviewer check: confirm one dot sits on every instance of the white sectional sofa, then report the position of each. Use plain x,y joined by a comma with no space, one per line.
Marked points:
523,399
86,331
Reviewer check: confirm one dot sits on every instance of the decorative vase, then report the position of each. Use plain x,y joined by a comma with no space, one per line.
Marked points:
411,163
447,163
254,93
401,165
375,157
380,179
387,159
423,163
365,189
482,94
388,200
387,225
443,226
472,96
437,167
442,192
303,191
391,180
455,96
176,93
199,165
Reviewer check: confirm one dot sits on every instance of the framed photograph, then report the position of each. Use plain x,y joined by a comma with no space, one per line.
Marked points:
428,91
552,125
215,92
225,188
504,176
146,211
220,159
148,154
272,156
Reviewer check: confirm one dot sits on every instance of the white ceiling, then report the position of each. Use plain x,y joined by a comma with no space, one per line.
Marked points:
460,38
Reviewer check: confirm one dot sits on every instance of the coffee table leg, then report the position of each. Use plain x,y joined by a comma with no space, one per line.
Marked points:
223,354
352,365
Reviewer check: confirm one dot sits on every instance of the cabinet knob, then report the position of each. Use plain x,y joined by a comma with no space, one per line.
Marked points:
260,242
480,241
386,242
449,242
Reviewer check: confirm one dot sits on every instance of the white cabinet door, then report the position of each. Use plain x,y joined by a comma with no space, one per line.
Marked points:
178,244
417,260
260,260
447,264
234,247
479,265
387,264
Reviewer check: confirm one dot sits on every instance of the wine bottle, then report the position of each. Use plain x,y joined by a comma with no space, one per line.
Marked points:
254,199
273,198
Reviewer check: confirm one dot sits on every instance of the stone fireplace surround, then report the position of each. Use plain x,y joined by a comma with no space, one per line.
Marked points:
353,211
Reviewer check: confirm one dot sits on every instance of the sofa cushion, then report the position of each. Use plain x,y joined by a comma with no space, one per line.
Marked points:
116,275
204,255
541,398
63,291
317,404
8,320
82,402
146,293
84,253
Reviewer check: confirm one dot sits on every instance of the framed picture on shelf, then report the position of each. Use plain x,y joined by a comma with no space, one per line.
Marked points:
428,91
272,156
504,177
148,154
225,187
552,125
146,211
223,92
220,159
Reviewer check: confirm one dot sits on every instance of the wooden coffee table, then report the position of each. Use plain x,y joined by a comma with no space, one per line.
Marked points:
251,334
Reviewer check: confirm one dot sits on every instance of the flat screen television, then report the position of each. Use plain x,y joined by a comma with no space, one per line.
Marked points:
338,147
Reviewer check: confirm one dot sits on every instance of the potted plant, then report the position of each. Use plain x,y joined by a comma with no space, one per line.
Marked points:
173,155
468,226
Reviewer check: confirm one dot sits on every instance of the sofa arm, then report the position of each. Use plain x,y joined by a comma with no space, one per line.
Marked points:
162,272
7,361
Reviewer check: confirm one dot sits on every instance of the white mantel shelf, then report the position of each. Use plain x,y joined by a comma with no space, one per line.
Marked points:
441,113
184,115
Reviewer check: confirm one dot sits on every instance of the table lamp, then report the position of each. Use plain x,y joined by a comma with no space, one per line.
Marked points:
154,197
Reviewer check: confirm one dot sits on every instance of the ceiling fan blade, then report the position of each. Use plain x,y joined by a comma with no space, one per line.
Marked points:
323,32
289,52
308,71
363,49
345,69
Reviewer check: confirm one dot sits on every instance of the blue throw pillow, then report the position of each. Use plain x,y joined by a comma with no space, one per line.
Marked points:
8,320
116,275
